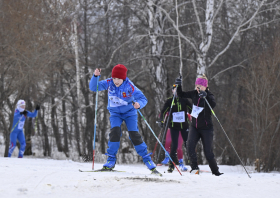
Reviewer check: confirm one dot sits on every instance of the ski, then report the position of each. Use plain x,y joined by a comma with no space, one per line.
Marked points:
200,171
100,170
155,172
162,164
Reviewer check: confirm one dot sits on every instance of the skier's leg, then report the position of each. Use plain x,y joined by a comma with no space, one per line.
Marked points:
136,139
182,139
173,154
179,148
174,137
22,142
168,142
114,141
13,142
207,140
193,138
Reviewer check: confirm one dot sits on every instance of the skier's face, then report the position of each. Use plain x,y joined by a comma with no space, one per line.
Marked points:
22,106
202,88
173,91
117,81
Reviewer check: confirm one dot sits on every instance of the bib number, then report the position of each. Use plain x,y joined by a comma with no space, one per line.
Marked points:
179,116
20,125
196,111
116,102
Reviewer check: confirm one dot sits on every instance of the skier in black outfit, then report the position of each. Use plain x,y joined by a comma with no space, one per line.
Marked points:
202,126
178,123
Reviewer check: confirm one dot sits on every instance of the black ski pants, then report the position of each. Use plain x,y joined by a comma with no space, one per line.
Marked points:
174,137
206,136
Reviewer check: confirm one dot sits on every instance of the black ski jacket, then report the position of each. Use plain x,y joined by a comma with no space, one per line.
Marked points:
204,119
180,104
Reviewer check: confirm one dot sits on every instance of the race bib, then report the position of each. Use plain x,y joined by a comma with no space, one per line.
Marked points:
20,125
116,102
196,111
179,116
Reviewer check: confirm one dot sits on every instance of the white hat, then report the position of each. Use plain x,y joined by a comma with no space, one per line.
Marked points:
20,103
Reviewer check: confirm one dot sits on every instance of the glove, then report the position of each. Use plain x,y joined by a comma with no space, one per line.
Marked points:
178,81
202,94
37,107
160,124
23,113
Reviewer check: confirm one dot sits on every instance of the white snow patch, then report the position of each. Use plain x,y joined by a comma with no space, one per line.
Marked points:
31,177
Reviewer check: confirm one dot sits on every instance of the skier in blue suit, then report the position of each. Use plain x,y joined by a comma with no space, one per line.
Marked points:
17,130
124,98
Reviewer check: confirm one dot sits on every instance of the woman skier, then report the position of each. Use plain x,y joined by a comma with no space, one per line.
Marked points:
202,126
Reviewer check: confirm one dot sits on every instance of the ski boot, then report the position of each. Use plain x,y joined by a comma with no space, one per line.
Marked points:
170,167
166,159
151,165
217,173
195,171
181,165
155,172
111,161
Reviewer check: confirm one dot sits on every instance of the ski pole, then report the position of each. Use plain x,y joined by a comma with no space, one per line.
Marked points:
158,139
227,136
96,101
166,126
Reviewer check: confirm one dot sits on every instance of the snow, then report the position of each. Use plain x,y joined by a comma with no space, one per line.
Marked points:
31,177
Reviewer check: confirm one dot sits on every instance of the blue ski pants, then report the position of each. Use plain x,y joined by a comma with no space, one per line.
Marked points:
17,134
134,135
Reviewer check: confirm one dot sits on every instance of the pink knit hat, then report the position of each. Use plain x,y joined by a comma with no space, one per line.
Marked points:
201,81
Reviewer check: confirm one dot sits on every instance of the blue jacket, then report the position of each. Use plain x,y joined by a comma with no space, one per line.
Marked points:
19,120
120,98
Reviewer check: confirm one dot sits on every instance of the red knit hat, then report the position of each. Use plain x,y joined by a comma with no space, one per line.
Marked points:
119,71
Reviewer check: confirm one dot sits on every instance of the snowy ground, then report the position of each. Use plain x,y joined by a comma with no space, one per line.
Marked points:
30,177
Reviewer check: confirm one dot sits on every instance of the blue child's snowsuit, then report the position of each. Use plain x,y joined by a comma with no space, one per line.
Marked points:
121,109
17,132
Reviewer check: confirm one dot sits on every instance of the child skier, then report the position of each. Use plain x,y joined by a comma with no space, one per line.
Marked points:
17,130
202,126
178,123
124,98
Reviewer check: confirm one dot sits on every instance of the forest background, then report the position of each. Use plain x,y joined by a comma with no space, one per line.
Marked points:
50,48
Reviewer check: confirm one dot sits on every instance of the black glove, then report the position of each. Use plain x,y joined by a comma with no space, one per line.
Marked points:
23,113
202,94
160,124
178,81
37,107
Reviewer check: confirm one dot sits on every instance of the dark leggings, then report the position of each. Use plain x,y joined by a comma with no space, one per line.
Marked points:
175,136
206,137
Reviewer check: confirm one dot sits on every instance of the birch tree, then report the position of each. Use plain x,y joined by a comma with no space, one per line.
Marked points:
206,14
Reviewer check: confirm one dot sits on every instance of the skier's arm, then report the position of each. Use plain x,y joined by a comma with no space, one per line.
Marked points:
211,99
189,106
139,97
165,108
102,85
32,114
183,94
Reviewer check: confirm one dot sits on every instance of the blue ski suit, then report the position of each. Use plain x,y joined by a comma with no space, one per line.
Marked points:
121,109
17,132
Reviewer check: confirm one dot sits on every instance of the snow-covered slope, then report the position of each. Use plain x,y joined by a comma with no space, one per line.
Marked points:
29,177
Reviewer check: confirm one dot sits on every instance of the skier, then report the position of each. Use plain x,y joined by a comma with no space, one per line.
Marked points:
124,98
202,126
178,123
17,130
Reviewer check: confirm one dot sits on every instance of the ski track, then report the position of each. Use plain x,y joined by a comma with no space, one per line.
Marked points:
31,177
